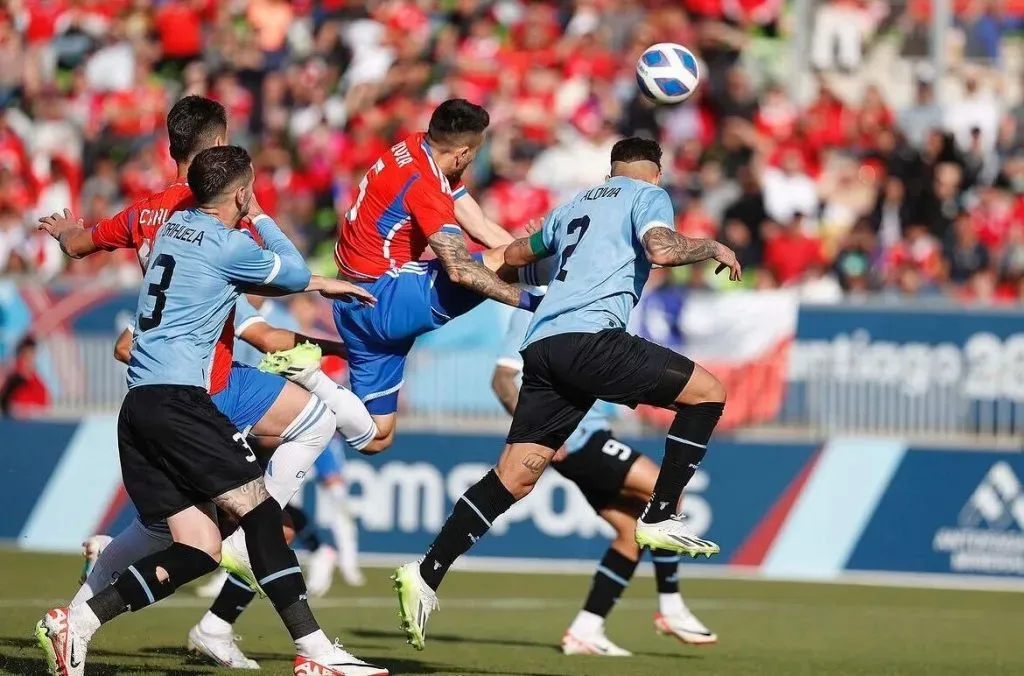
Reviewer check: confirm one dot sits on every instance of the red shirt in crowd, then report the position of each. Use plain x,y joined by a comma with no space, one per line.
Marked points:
180,29
789,255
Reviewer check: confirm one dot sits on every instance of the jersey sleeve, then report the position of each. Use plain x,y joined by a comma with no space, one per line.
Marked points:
459,191
431,210
245,316
115,232
549,231
242,261
509,356
652,209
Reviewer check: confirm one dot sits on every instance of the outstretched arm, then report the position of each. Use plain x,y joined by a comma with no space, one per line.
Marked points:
668,248
480,229
526,250
451,250
267,338
75,240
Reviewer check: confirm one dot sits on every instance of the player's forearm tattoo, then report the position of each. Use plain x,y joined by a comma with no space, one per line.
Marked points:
666,247
240,501
535,462
452,252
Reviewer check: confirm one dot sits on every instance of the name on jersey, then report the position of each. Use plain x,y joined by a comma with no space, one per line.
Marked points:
153,216
401,153
183,233
598,193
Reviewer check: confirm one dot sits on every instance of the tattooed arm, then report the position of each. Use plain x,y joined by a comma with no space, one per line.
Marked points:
666,247
454,256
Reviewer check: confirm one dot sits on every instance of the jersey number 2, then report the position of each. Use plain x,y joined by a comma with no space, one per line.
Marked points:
581,224
165,261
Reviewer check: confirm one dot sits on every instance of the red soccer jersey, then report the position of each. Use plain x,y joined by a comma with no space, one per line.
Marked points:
134,228
403,200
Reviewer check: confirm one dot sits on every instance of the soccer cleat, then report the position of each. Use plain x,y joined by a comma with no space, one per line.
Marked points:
65,650
234,558
337,662
416,600
595,644
686,627
91,550
211,589
293,364
671,535
220,648
320,572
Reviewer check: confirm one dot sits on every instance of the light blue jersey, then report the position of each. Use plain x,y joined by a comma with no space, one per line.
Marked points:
596,418
602,267
271,312
195,270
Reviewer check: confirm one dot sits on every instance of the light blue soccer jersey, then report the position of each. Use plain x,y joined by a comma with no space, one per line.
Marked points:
272,312
195,270
596,418
601,264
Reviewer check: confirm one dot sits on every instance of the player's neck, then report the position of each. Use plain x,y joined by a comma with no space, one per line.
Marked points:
182,171
439,157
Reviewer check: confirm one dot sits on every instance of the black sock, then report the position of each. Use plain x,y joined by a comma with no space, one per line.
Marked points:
234,597
611,579
303,531
666,570
276,568
471,517
107,604
139,586
685,446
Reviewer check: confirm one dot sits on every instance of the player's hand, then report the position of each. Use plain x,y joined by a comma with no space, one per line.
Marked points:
254,208
560,455
57,224
726,258
339,289
533,225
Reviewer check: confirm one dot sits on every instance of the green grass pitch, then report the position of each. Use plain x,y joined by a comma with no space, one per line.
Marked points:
512,624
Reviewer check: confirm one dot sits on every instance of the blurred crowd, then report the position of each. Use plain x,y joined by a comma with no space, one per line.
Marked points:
842,193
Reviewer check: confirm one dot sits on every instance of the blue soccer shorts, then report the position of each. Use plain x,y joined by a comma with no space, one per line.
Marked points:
249,395
413,300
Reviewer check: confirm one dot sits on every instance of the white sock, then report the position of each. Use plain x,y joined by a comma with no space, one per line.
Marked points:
304,439
352,419
211,624
671,604
586,624
83,621
314,644
133,543
343,526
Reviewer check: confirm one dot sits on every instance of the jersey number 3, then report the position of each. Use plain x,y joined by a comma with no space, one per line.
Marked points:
581,224
165,261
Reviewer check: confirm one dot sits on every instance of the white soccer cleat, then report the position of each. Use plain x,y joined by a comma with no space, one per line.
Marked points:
91,550
672,535
320,572
686,627
594,644
337,662
65,650
416,600
220,648
211,589
234,558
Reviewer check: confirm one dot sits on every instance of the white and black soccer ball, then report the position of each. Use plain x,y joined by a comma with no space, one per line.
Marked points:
667,73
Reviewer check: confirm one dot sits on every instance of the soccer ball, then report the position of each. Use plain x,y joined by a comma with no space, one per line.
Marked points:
667,73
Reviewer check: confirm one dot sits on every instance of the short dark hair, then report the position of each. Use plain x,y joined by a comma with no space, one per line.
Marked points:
216,170
192,124
454,119
634,149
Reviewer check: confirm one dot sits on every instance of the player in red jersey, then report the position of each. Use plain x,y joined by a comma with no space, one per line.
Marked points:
409,201
267,404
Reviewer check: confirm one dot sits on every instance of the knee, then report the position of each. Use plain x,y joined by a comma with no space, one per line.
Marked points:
207,544
715,391
518,481
378,444
625,543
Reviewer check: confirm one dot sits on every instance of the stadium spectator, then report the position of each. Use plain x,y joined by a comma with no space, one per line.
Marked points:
23,393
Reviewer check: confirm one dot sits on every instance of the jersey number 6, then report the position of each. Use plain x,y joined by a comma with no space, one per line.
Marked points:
165,261
581,224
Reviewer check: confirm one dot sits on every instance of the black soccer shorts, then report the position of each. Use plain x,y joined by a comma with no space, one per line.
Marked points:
564,374
177,450
599,468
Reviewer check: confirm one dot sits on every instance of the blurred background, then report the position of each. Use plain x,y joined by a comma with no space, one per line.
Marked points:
864,158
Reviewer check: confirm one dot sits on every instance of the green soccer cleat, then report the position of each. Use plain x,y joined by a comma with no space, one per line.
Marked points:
297,362
234,558
671,535
416,600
